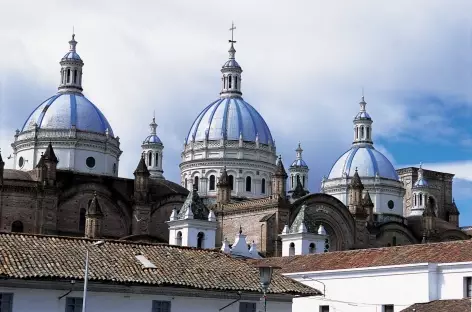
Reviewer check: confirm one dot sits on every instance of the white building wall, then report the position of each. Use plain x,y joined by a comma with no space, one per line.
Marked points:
27,300
368,289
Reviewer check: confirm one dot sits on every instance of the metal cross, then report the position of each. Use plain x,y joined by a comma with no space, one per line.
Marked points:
232,32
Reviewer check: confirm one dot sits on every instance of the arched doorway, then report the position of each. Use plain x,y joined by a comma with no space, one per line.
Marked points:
17,227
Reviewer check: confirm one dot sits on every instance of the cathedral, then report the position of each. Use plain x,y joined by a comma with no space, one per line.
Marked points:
65,182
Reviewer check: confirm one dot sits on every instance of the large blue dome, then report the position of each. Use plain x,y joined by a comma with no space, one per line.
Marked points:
64,110
368,161
230,117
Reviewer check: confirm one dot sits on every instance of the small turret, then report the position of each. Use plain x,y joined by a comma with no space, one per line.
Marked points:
298,171
355,196
93,219
152,148
223,188
279,180
453,214
141,181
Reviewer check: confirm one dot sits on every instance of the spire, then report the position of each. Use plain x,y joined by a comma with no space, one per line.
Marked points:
367,201
299,151
71,69
231,80
193,206
49,154
94,207
362,125
280,171
142,169
356,182
153,126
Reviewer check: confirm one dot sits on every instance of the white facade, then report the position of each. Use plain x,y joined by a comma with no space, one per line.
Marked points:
193,233
136,299
74,150
302,244
370,289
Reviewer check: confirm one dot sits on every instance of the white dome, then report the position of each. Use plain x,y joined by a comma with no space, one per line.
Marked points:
368,161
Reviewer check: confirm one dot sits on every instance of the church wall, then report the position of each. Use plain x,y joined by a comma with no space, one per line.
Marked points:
255,230
28,160
158,226
103,163
18,207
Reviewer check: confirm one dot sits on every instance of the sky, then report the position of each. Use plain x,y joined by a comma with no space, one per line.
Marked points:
305,65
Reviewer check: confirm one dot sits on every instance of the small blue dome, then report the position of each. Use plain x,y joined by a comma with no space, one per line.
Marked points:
362,115
421,183
368,161
64,110
152,139
299,163
228,117
72,55
231,63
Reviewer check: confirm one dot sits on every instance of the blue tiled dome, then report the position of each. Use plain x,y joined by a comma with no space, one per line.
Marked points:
228,117
299,163
421,183
368,161
362,115
152,139
64,110
231,63
72,55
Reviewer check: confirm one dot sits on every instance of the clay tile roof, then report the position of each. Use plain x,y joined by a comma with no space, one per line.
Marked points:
446,252
42,257
452,305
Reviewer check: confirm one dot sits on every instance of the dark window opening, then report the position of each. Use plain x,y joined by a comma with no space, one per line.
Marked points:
236,82
263,186
468,287
212,183
200,237
229,82
312,248
160,306
291,249
75,76
231,182
388,308
156,162
17,227
324,308
73,304
394,241
6,302
68,75
150,159
195,184
247,307
82,220
248,184
178,239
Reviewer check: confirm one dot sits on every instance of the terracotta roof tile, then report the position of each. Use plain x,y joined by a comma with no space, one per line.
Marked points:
454,305
46,257
456,251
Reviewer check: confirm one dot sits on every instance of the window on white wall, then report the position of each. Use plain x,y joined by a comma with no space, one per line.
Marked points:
312,248
388,308
263,186
247,307
160,306
200,237
248,184
212,183
291,249
178,239
468,287
6,302
73,304
231,181
324,308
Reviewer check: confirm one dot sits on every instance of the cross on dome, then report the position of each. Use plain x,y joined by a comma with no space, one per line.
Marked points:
231,71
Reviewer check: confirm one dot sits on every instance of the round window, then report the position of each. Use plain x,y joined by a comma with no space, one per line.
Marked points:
90,162
21,162
391,204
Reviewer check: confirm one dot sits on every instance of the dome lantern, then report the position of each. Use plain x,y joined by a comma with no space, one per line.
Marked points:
71,69
362,126
231,80
152,148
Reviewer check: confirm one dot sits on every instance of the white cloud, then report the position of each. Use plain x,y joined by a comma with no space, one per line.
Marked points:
304,66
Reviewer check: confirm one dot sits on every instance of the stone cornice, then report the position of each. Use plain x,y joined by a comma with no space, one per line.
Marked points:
256,164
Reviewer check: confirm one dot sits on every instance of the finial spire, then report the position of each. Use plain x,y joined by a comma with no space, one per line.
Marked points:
232,32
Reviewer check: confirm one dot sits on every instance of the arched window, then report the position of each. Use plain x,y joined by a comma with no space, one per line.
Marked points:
362,132
68,75
297,179
415,200
231,181
394,241
17,227
236,82
312,248
248,184
82,220
200,237
263,186
303,181
75,76
186,183
149,159
212,183
421,199
178,239
291,249
195,184
357,132
367,133
224,82
291,181
156,160
229,82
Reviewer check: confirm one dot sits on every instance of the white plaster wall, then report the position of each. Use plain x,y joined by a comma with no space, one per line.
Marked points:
302,244
190,232
27,300
367,289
